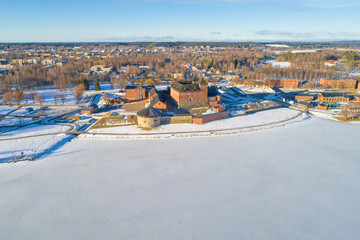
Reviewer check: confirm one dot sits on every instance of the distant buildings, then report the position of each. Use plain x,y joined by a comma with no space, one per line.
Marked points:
282,82
341,83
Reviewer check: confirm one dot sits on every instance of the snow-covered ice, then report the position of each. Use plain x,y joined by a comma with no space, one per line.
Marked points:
300,181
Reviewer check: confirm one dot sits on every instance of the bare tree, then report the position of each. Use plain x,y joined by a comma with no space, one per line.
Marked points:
18,96
63,96
8,97
79,92
39,97
55,96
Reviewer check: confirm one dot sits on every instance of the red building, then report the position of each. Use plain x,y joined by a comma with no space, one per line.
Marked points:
304,97
189,95
342,83
135,92
156,101
333,97
282,82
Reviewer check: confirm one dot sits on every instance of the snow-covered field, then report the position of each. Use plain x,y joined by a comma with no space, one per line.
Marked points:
300,181
29,146
256,119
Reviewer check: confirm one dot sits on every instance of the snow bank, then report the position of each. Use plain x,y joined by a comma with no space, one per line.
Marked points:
260,118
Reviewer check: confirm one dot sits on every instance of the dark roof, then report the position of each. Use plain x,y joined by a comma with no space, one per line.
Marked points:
155,100
185,86
149,112
131,87
212,91
347,79
279,78
152,91
333,95
277,90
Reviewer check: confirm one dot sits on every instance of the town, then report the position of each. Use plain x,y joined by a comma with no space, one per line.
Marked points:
108,89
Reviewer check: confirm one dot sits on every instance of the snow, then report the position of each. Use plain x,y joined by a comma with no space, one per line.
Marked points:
297,182
5,110
259,118
14,121
275,64
255,89
30,146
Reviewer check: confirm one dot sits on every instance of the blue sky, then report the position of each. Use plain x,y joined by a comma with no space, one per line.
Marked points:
179,20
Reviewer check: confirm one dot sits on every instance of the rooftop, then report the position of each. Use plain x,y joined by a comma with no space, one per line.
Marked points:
185,86
149,112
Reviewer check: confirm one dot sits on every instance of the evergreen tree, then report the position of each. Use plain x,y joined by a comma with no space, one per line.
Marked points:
86,83
97,85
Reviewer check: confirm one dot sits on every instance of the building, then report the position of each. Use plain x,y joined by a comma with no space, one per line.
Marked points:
148,117
135,92
282,82
304,105
156,101
90,109
189,94
214,99
322,107
341,83
304,97
333,97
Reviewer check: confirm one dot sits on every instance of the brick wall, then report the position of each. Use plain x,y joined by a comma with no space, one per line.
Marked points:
210,117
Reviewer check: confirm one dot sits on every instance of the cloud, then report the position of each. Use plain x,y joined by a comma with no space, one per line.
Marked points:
138,39
308,35
214,33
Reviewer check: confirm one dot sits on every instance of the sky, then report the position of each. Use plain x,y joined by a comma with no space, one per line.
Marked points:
179,20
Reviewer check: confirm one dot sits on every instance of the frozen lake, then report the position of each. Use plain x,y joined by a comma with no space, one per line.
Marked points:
300,181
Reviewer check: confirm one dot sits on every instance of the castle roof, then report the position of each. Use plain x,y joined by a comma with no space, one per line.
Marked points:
149,112
185,86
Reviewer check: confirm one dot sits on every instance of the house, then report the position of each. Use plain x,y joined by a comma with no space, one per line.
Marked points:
304,105
304,97
148,117
341,83
189,94
333,97
322,106
282,82
90,109
330,63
